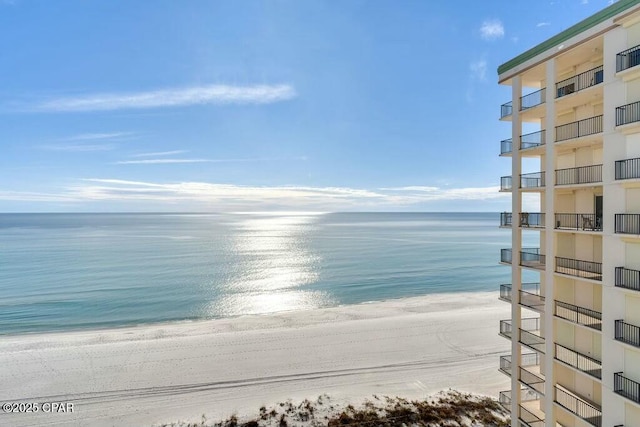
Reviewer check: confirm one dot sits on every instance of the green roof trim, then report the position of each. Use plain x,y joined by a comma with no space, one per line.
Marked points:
592,21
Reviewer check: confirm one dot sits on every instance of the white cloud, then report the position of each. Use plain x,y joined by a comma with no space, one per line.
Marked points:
199,95
584,2
543,24
161,161
492,29
426,193
160,153
478,70
78,147
99,136
165,161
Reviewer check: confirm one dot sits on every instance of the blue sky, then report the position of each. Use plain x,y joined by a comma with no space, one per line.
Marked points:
260,105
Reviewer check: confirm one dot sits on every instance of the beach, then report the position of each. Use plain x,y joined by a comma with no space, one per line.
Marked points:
162,373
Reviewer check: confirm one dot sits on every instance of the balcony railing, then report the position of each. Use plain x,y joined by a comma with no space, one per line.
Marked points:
580,407
506,219
627,278
506,183
579,82
628,223
531,257
580,315
506,292
628,113
579,175
532,219
504,398
527,324
572,221
532,180
627,333
578,129
506,256
506,146
532,300
579,268
506,109
626,387
531,340
531,380
583,363
627,59
533,99
529,418
628,169
532,140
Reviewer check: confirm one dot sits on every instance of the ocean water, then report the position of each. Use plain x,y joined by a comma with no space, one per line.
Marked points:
82,271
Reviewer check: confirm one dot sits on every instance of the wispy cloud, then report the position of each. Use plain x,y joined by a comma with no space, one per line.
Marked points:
161,161
88,142
160,153
188,195
99,136
543,24
478,70
492,29
78,147
198,95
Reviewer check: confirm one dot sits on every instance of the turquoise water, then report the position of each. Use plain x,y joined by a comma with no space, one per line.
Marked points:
78,271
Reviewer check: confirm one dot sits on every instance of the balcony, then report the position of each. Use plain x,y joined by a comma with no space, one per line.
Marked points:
532,140
628,224
583,363
532,258
527,335
626,387
527,219
506,146
529,295
532,180
528,359
627,59
530,417
629,113
628,169
627,279
580,175
504,399
579,268
579,82
531,379
506,109
579,315
506,183
627,333
578,129
506,256
579,406
583,222
533,99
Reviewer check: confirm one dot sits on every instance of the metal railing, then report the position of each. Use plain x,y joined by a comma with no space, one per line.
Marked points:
506,146
585,410
532,300
506,109
626,387
531,257
572,221
580,315
532,180
505,365
578,129
579,268
579,175
531,380
532,219
628,113
504,398
506,183
506,219
628,169
529,418
532,140
533,99
627,333
506,256
628,223
579,82
531,340
583,363
505,292
506,329
628,58
627,278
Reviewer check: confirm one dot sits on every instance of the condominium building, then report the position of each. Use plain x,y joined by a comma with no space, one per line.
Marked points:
575,223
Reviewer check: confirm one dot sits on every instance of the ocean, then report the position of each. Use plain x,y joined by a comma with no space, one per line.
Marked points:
61,272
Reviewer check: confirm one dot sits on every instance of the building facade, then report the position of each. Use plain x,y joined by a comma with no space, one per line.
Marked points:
575,222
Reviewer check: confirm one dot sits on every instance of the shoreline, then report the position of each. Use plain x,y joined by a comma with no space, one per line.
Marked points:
163,373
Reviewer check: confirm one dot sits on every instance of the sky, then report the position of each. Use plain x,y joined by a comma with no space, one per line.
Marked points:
216,106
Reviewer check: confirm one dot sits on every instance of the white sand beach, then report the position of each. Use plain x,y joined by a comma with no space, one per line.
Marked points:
149,375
